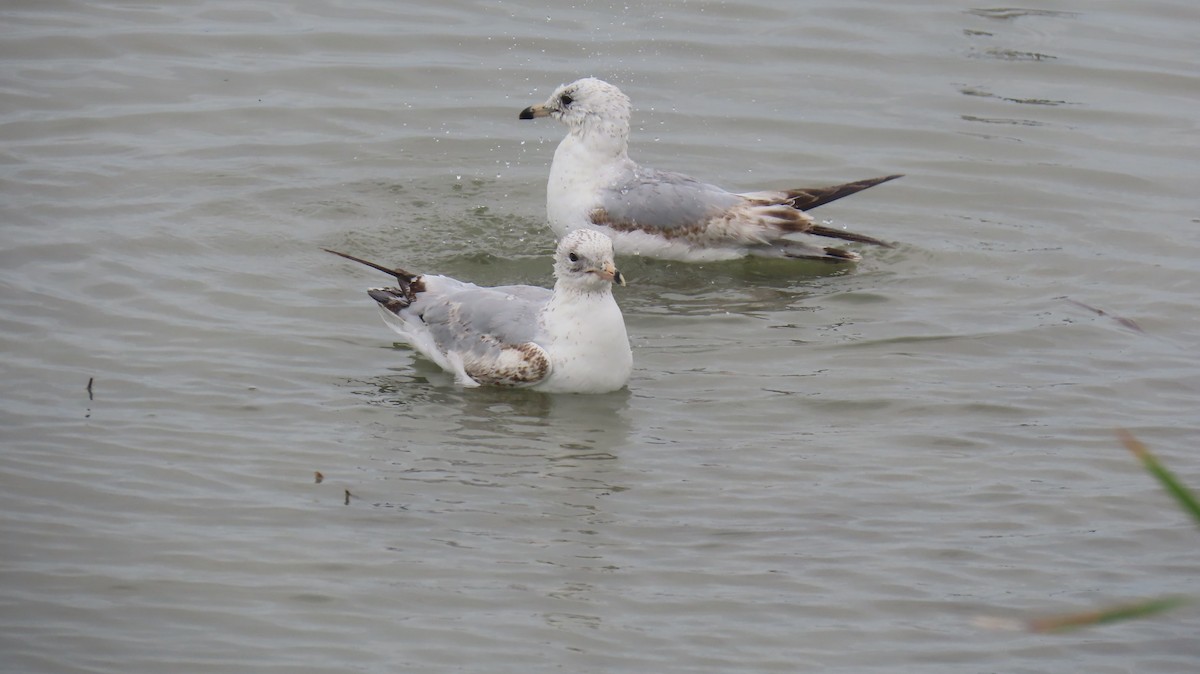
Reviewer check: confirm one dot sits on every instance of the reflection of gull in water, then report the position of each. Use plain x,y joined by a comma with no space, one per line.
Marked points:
569,339
594,184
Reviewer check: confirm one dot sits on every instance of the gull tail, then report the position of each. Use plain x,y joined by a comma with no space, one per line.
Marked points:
803,250
808,198
394,299
840,255
821,230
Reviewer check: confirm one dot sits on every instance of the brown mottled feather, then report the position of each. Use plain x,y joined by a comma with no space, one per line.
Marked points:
531,367
787,218
394,300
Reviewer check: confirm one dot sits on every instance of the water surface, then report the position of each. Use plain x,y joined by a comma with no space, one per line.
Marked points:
812,469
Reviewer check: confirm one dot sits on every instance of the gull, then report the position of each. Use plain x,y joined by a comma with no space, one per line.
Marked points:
594,184
570,339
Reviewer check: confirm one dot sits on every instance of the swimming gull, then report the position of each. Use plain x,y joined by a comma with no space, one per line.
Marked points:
569,339
594,184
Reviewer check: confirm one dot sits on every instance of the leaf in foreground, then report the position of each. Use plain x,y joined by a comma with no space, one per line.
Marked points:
1111,614
1139,609
1169,482
1071,621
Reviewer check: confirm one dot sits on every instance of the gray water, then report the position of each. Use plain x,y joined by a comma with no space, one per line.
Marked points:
813,469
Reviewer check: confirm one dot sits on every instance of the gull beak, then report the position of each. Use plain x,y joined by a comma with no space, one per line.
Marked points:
534,111
610,273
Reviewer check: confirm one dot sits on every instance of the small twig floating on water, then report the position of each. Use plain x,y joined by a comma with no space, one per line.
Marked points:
1127,322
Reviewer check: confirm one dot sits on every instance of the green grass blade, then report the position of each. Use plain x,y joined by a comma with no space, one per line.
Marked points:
1111,614
1169,482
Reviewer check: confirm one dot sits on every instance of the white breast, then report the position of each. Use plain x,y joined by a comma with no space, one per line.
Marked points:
588,345
577,176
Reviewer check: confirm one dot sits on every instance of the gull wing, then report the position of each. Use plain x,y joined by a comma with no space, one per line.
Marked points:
484,335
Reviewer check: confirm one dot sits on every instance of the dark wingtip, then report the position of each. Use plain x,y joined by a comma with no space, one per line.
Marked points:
825,255
527,113
401,275
839,255
806,199
834,233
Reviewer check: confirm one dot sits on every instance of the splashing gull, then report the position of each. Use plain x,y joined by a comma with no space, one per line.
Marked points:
569,339
594,184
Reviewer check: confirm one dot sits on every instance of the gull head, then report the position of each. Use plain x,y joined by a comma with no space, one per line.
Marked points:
585,105
584,260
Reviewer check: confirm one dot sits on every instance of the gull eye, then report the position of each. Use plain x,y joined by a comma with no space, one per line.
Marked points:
573,257
566,100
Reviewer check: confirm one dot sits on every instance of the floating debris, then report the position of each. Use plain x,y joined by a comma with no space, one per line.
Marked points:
1012,13
318,477
89,387
1127,322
